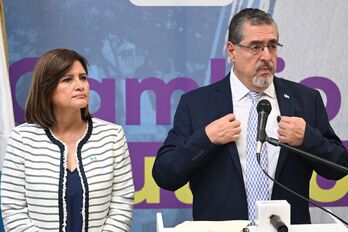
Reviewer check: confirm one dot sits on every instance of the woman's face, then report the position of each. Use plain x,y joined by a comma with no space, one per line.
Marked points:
72,90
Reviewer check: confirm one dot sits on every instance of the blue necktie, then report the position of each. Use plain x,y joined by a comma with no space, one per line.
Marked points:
256,180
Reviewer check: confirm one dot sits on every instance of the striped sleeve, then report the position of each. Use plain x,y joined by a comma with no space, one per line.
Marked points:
13,203
120,213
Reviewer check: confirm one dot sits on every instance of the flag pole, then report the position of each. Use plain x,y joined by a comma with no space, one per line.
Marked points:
7,121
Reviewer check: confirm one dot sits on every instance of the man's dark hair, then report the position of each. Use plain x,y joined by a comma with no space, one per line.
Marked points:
253,17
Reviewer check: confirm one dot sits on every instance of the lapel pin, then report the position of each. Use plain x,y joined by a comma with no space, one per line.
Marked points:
286,96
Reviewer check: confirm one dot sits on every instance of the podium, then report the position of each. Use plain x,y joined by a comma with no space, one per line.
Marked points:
331,227
187,227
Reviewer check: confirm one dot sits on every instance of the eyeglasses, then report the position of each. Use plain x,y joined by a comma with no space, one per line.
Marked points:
256,48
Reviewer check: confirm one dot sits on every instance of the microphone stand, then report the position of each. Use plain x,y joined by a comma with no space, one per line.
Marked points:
276,143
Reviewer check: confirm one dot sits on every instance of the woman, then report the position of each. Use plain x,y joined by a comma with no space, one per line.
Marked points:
63,169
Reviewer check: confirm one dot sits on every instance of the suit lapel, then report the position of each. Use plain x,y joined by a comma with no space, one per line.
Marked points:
225,106
287,108
223,97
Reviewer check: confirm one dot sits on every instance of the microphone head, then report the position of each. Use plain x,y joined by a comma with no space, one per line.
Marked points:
264,105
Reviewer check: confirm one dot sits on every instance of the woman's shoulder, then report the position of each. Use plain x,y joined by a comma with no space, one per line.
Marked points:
28,131
29,128
100,124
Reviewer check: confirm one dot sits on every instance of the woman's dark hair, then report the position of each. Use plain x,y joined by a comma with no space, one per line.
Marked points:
51,66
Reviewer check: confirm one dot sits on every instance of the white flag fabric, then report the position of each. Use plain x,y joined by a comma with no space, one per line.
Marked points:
6,109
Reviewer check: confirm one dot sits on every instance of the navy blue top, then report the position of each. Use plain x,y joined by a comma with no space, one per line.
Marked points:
74,202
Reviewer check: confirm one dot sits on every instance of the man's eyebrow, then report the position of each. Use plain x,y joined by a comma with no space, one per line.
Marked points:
262,41
256,41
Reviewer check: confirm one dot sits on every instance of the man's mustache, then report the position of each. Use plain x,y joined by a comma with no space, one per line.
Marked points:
265,64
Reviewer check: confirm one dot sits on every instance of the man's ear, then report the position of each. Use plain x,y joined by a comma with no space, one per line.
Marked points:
230,50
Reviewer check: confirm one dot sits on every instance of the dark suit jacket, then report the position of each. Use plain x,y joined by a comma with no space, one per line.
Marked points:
214,172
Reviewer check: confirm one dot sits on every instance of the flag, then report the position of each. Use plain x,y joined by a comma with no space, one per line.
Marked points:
6,109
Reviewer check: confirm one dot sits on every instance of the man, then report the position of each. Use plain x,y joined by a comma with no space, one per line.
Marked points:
209,146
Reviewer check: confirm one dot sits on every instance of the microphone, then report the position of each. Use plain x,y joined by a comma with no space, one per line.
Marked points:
263,109
278,224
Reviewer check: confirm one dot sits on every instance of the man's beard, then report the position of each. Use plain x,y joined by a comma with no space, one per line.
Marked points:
265,79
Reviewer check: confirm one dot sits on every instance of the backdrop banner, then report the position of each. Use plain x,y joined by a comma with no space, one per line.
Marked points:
144,54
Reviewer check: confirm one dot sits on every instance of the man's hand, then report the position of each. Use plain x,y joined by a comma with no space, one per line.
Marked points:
223,130
291,130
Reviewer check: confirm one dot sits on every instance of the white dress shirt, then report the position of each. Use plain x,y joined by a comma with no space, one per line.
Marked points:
241,107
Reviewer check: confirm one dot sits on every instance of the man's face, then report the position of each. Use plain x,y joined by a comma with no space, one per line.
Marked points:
255,70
